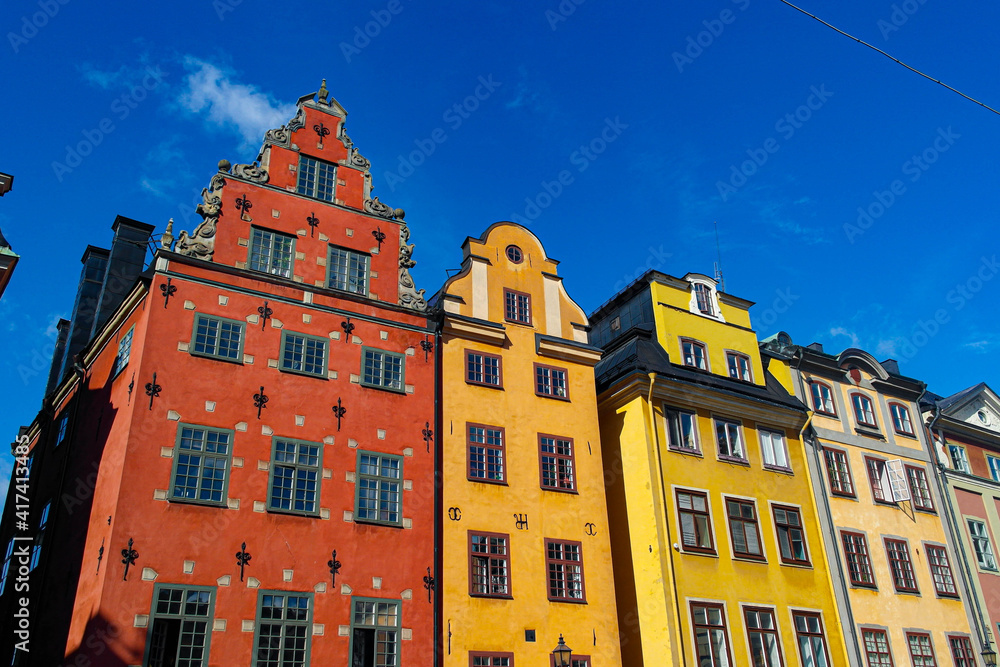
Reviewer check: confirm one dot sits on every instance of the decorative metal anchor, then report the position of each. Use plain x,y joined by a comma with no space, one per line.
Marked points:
429,584
244,205
338,412
265,314
348,327
426,345
379,236
428,435
100,556
313,221
322,131
153,391
131,386
242,558
128,558
168,291
260,401
334,566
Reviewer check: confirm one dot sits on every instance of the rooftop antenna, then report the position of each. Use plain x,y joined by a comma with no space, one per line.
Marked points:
718,262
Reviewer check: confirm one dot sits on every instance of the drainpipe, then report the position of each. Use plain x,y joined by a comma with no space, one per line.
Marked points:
828,515
982,629
679,636
438,490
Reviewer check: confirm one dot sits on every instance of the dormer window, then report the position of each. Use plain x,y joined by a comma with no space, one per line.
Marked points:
695,354
703,298
739,366
316,178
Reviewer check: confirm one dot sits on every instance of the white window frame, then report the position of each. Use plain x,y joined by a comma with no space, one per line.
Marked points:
980,536
961,462
739,440
767,445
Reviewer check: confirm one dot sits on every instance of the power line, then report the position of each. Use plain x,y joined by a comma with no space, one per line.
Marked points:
896,60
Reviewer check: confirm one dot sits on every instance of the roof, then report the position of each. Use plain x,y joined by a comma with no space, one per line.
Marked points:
3,241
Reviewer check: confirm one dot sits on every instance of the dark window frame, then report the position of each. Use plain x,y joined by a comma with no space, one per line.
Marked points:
800,527
859,413
836,487
940,567
741,436
271,264
376,627
897,553
773,631
885,638
309,185
695,345
360,288
547,382
821,409
487,558
850,540
753,520
787,466
673,416
552,571
893,407
491,655
485,355
929,646
961,651
558,458
487,448
926,500
739,356
695,626
707,513
875,480
126,341
508,294
809,635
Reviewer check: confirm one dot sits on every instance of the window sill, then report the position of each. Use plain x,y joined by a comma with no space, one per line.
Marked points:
202,355
926,510
201,503
305,515
907,592
553,396
492,482
483,384
734,459
870,432
307,374
697,552
803,565
376,522
689,452
572,492
490,596
391,390
912,436
841,494
947,596
568,600
750,559
779,469
519,323
864,587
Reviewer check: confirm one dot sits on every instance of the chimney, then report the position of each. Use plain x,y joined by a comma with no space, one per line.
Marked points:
95,265
62,329
891,366
125,263
818,347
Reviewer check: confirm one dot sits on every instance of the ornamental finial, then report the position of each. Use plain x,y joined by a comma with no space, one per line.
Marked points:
167,239
323,92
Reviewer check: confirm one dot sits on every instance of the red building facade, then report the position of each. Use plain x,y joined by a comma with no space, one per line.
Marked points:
238,468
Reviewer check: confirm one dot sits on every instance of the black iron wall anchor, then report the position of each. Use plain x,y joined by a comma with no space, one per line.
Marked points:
128,558
426,346
339,411
322,131
242,558
168,291
429,584
244,205
521,521
334,566
100,557
590,529
131,386
348,326
265,314
260,401
379,236
153,391
428,435
312,220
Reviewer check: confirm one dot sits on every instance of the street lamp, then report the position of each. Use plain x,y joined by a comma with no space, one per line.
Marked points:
990,656
562,653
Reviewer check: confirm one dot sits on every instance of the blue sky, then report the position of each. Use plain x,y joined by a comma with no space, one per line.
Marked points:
854,199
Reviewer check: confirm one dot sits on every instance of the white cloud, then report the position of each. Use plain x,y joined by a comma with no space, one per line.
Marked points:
841,331
100,78
211,92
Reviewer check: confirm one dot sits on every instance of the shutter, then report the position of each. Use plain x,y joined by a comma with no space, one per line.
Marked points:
897,483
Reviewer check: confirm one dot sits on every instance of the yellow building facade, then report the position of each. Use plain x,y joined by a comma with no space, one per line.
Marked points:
718,556
895,567
526,553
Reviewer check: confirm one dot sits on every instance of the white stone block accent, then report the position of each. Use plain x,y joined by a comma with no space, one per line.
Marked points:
159,494
318,629
276,323
253,319
188,567
345,589
149,574
183,346
380,433
241,265
141,620
300,232
209,406
275,213
374,274
332,375
327,473
384,335
253,582
259,506
307,297
237,461
320,587
189,305
224,580
409,388
247,626
408,451
328,440
300,420
306,318
321,261
173,415
410,351
263,465
233,503
297,278
266,430
167,452
407,594
334,335
319,283
247,358
357,340
355,379
348,516
223,300
241,426
219,625
407,485
300,255
352,443
407,523
323,237
344,630
350,232
377,583
272,363
324,513
242,241
406,634
286,575
351,476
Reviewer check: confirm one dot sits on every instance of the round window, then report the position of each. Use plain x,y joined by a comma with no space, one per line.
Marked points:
514,254
984,417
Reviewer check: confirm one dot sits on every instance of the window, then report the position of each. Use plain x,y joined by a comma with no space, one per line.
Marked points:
959,459
514,254
773,449
920,490
981,543
379,497
877,648
316,178
303,354
961,651
271,252
219,338
711,642
762,631
482,368
516,306
486,454
6,565
921,651
729,439
564,561
901,566
284,628
878,477
994,464
682,429
295,475
63,425
864,411
348,271
489,564
551,381
822,399
703,298
556,462
480,659
201,464
791,538
901,419
375,633
382,369
812,643
695,354
744,528
944,581
739,366
696,523
124,352
839,471
859,564
36,549
179,626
